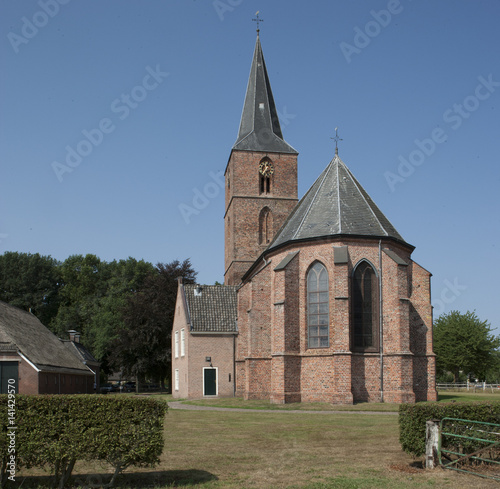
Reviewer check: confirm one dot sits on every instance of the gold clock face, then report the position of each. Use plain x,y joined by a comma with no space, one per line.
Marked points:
266,168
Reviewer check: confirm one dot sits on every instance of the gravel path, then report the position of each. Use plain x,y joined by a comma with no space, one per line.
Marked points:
191,407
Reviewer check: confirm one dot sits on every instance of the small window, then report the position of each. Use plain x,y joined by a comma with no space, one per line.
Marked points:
265,185
318,307
176,379
176,347
183,344
265,226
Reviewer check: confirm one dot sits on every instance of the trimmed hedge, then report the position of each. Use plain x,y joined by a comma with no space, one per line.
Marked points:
56,431
413,419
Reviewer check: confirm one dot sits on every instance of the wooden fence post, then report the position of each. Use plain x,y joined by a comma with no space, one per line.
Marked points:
431,444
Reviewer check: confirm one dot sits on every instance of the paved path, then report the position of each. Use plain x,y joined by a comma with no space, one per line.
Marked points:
192,407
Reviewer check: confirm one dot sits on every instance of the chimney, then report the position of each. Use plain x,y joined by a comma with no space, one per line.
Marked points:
74,336
197,291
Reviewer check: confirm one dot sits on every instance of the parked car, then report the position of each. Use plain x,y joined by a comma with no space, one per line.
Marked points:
106,389
129,387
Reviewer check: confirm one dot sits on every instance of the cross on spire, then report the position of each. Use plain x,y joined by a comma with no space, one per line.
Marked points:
337,139
257,20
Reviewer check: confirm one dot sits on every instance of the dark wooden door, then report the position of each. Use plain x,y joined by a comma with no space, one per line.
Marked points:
9,372
210,382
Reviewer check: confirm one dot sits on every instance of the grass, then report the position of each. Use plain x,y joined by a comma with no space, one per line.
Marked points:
255,449
269,450
212,449
238,402
459,396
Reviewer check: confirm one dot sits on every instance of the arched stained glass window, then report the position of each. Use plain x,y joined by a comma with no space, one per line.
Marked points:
318,306
365,307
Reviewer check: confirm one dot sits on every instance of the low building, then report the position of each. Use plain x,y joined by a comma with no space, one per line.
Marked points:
38,362
203,341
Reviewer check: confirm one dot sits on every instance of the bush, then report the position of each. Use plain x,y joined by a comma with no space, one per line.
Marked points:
56,431
413,419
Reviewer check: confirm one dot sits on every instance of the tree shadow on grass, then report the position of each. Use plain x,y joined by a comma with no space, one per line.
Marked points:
132,480
176,478
448,397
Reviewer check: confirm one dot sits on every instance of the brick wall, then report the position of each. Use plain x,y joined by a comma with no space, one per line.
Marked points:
245,202
197,347
33,382
219,347
272,305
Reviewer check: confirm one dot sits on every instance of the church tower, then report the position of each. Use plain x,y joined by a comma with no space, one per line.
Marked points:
261,177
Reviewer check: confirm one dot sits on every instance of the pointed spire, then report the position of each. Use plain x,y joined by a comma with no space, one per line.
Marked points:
260,128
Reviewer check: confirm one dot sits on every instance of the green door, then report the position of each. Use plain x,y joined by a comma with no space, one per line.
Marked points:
8,375
210,382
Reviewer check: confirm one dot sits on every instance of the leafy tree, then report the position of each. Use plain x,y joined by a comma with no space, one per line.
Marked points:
493,373
84,283
143,346
462,342
126,278
30,282
93,296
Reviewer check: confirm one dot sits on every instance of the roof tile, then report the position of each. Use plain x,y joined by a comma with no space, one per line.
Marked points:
214,310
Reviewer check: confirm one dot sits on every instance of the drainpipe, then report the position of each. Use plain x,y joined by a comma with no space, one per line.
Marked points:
234,357
381,326
234,365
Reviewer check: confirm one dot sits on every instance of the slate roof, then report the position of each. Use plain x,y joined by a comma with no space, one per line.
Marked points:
214,311
260,129
82,352
22,331
336,204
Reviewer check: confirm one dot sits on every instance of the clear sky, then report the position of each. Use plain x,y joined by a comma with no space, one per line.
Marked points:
118,116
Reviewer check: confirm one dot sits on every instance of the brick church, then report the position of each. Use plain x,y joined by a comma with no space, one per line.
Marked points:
321,301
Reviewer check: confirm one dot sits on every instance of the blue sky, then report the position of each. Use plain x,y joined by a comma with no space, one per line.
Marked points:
117,116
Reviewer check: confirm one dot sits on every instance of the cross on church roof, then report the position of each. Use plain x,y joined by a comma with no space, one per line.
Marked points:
337,139
257,20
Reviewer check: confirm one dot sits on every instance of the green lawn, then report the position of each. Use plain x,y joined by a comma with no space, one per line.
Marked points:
238,402
255,449
209,449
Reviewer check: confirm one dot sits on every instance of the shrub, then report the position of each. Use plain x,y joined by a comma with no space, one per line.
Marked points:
413,419
56,431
